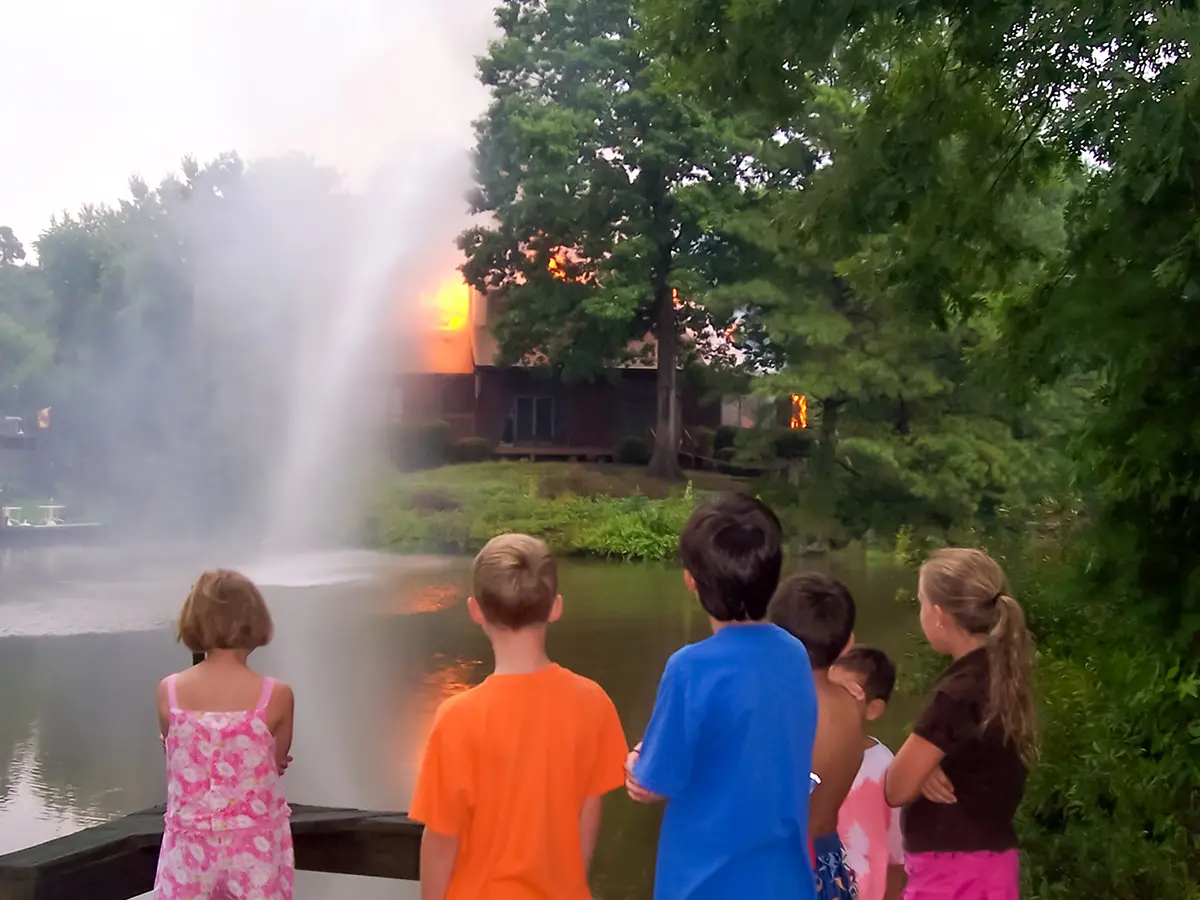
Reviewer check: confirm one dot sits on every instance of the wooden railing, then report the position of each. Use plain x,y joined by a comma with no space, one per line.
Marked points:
117,860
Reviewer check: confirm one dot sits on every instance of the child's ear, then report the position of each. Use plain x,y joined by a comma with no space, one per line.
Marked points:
689,581
556,609
474,611
874,710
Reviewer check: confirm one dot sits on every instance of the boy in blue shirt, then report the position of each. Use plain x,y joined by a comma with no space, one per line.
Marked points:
729,745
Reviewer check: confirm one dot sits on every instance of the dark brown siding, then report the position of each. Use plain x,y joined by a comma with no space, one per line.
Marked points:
595,414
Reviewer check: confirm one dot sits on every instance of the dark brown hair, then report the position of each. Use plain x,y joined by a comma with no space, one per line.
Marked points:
971,588
733,549
515,581
224,611
875,668
819,611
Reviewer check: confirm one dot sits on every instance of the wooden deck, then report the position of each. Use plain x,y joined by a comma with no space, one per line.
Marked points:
116,861
52,535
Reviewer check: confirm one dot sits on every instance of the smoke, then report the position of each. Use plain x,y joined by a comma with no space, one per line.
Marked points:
357,84
256,349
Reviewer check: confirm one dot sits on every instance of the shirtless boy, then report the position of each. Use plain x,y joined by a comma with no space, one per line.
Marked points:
820,612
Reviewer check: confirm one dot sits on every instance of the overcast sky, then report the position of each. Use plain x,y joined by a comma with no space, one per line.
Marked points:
95,92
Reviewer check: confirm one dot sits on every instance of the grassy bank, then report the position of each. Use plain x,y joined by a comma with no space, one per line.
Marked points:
585,510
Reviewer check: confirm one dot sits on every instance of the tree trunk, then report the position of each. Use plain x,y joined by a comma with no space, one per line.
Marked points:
664,463
826,456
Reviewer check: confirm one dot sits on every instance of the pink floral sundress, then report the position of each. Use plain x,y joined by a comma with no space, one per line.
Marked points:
227,833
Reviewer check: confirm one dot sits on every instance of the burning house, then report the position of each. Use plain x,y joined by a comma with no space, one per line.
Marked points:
452,375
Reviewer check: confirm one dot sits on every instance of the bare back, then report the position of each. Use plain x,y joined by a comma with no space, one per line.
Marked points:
212,687
837,753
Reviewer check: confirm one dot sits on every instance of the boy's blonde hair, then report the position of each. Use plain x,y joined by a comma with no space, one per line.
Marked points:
224,611
515,581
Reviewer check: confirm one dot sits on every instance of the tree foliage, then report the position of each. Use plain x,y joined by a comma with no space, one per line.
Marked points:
973,117
599,181
161,331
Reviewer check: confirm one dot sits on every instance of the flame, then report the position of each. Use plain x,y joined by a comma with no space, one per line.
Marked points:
675,297
557,264
799,412
450,303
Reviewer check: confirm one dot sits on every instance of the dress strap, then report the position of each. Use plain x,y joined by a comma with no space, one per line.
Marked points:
172,700
268,687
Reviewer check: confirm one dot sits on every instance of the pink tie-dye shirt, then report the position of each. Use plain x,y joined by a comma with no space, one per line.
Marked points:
869,828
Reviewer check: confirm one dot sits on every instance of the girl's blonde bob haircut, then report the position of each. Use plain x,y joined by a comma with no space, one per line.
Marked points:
224,611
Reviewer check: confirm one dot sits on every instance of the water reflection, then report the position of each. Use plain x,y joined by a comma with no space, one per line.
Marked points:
371,653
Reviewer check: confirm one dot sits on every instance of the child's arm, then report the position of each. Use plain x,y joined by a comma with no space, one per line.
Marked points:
896,876
943,726
438,853
443,800
589,829
907,774
661,765
607,772
281,711
164,712
637,793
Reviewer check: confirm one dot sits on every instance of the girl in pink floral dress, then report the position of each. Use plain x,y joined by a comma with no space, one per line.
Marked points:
227,731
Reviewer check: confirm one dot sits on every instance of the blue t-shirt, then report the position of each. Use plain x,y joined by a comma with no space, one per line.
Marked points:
730,746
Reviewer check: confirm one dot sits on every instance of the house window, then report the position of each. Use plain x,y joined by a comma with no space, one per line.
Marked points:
533,419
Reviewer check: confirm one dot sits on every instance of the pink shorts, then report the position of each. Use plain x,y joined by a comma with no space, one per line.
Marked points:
963,876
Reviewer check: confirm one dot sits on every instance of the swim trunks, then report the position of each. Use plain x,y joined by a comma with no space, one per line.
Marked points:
835,881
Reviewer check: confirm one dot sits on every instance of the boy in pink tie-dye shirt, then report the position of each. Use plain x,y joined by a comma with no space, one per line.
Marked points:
869,828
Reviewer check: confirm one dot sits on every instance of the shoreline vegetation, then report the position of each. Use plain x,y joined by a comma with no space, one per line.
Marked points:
600,511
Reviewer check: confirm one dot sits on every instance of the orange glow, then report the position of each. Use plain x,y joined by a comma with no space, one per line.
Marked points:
675,297
799,412
557,264
431,598
450,303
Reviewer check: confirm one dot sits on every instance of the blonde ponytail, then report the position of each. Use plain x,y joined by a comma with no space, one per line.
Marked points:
1010,677
970,586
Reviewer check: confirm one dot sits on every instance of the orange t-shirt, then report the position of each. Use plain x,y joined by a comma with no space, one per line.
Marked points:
508,767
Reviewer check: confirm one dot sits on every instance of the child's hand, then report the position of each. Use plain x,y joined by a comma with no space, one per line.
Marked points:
845,679
937,788
637,793
284,763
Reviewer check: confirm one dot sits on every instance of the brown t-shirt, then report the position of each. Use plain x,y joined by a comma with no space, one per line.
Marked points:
982,764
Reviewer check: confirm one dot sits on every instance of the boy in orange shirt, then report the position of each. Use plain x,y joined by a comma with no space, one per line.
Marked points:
510,786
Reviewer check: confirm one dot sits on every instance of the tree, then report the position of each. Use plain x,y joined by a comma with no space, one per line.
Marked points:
164,331
1103,96
881,307
600,183
11,251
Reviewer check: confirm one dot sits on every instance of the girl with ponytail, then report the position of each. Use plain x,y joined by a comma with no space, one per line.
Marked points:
961,774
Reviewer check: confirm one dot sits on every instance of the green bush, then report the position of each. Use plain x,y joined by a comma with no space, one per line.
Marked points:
636,528
459,508
1113,805
469,450
633,451
421,444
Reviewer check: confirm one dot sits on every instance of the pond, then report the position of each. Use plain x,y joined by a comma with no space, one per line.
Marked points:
370,643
